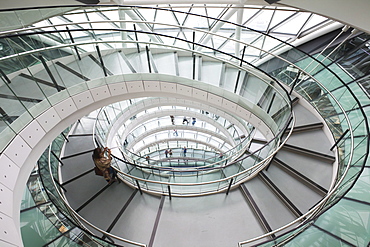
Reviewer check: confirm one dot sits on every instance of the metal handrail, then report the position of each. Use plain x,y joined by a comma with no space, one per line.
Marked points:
219,180
206,55
208,120
75,214
239,152
321,204
179,26
318,206
118,119
340,180
331,191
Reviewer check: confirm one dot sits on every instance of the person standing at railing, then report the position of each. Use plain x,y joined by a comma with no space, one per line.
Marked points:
184,151
147,158
175,133
104,163
166,153
220,155
194,121
172,119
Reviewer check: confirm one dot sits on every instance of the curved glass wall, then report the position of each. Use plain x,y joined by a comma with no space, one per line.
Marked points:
113,41
163,175
203,127
339,100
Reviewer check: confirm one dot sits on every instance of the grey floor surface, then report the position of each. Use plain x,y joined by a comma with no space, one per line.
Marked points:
217,220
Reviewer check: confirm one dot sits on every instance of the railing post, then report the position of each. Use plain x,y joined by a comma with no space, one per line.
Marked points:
228,189
65,137
6,78
49,73
340,138
295,82
137,45
101,61
238,77
6,117
56,156
61,186
272,101
72,40
138,186
169,191
193,40
148,58
194,56
106,116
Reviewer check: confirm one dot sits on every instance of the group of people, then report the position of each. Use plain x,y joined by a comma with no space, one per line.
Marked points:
184,120
168,152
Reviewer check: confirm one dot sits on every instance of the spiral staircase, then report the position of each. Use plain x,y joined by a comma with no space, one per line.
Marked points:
302,166
274,198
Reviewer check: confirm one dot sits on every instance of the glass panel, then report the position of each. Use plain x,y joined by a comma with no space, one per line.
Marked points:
359,191
33,90
36,228
314,236
27,200
348,216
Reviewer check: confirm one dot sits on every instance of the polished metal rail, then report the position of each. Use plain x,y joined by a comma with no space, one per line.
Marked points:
252,170
80,218
312,77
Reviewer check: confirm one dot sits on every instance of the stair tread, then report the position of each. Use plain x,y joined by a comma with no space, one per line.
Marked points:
76,165
141,211
112,200
276,216
314,140
304,116
85,126
82,189
78,144
201,218
317,170
302,196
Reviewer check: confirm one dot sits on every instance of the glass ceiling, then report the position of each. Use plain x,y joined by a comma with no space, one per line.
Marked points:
286,24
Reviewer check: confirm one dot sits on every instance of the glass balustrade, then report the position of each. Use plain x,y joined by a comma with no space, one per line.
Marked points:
333,98
45,221
150,141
